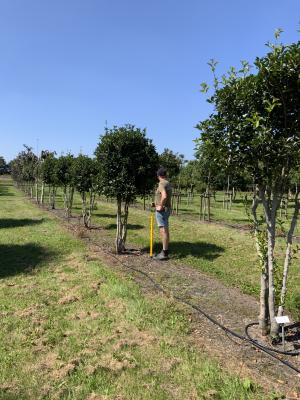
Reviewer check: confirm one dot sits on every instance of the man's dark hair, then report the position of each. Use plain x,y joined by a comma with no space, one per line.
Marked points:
161,172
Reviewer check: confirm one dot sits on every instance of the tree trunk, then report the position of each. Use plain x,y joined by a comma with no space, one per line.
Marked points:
264,316
208,195
270,207
83,211
263,261
65,199
204,207
124,223
288,256
271,243
36,191
287,205
208,207
177,203
49,196
201,207
53,194
70,205
42,193
227,193
68,200
121,226
91,207
228,183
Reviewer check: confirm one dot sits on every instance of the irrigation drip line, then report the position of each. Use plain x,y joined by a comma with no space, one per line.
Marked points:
246,339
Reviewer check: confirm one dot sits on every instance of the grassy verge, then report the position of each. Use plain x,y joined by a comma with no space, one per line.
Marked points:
73,329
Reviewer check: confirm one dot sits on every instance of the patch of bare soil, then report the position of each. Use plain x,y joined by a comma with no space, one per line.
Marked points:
65,369
227,305
70,298
94,396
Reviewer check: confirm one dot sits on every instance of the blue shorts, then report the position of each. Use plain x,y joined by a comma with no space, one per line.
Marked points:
162,218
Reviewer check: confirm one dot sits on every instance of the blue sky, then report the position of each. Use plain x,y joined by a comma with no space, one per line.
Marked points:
67,66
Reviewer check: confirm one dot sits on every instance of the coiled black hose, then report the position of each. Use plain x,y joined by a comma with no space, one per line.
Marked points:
286,353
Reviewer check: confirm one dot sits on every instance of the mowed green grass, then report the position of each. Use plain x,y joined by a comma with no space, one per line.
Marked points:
71,328
226,253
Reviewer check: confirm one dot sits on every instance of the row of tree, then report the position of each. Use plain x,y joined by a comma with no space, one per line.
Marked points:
124,167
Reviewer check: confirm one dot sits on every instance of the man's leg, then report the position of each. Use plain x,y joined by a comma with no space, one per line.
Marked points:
165,238
162,222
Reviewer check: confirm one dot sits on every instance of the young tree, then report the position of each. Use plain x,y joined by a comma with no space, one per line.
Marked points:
190,176
65,178
48,176
85,180
256,123
23,169
172,162
127,164
3,166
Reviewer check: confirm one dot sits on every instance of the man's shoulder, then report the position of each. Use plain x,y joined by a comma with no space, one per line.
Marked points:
164,184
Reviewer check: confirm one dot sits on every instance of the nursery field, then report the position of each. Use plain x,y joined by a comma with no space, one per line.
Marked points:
225,252
71,328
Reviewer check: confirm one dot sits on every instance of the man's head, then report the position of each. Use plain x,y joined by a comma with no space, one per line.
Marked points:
161,173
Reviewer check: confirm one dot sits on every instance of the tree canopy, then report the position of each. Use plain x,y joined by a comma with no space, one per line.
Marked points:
127,162
172,162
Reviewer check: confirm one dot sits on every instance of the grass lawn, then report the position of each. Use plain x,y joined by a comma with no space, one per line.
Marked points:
73,329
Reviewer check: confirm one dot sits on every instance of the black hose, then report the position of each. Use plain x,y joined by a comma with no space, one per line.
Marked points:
286,353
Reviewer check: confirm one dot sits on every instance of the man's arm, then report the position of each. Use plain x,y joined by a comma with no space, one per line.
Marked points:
163,198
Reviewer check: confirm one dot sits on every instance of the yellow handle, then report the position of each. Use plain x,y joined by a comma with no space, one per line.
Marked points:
151,235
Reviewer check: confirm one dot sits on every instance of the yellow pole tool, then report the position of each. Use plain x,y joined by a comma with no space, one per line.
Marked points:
151,234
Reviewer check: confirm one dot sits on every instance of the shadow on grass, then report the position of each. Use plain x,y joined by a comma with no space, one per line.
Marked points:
14,223
129,226
17,259
4,191
206,251
105,215
242,201
233,221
